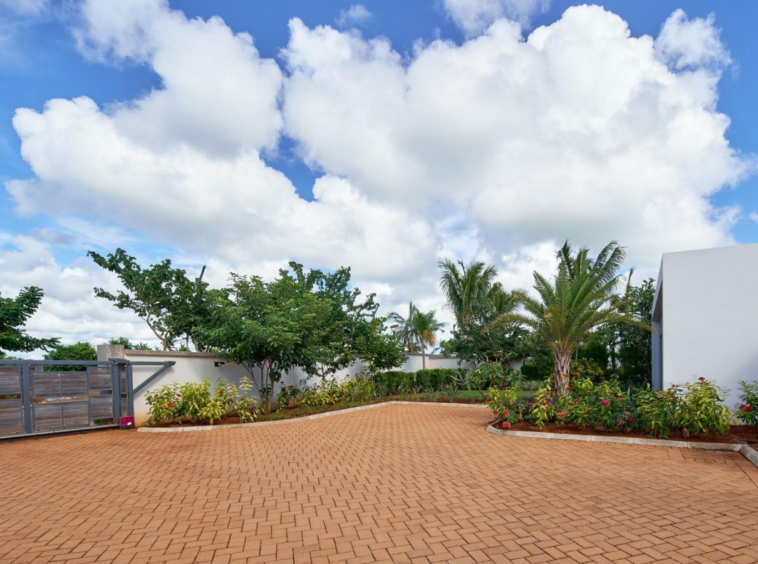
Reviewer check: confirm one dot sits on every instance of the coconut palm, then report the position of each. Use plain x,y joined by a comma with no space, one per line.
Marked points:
465,286
402,330
423,328
579,299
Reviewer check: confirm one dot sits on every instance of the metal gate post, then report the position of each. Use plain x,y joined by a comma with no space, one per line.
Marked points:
116,377
26,395
130,389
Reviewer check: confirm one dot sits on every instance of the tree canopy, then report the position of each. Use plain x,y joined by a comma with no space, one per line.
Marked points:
171,304
14,314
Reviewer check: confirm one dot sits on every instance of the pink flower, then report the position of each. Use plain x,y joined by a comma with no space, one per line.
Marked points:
506,425
604,402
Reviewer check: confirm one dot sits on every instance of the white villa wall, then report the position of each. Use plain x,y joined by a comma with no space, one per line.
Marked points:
710,308
193,367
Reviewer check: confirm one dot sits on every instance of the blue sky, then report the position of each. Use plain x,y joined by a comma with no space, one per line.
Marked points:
44,63
424,195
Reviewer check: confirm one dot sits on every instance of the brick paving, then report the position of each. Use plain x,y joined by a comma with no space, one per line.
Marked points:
420,484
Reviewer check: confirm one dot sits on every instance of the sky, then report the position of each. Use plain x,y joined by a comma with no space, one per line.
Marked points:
383,135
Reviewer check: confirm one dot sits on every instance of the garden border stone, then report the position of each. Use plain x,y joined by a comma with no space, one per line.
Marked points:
745,450
191,428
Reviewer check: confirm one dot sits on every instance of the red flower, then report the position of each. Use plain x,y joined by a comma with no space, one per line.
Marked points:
170,404
221,392
604,402
506,425
156,395
701,379
575,374
748,408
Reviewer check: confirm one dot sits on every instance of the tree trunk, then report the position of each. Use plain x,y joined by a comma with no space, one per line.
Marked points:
423,357
562,368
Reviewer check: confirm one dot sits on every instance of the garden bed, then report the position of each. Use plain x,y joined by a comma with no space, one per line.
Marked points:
301,411
737,434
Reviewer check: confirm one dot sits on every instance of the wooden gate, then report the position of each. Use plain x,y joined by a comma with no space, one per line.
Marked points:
51,396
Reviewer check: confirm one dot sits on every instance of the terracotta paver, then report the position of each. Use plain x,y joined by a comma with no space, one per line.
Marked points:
404,484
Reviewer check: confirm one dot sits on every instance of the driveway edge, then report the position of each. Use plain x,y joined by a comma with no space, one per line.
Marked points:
746,450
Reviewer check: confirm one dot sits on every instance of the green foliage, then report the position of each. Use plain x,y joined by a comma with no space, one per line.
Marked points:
502,403
477,302
170,303
542,407
14,314
417,331
78,351
657,411
570,306
694,409
701,409
128,345
197,402
748,410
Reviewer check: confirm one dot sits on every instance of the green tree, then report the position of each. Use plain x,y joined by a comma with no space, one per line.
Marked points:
170,303
476,302
14,313
128,345
344,315
423,328
377,350
265,326
77,351
635,348
578,300
466,287
402,328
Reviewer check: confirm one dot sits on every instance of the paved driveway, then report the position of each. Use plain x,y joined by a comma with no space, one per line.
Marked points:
391,484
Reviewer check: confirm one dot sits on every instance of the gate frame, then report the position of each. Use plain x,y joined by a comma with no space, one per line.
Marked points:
115,364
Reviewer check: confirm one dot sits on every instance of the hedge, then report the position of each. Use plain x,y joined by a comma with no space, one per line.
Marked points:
435,378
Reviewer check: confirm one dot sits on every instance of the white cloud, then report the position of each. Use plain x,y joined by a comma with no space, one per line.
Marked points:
474,16
69,309
496,149
753,217
217,93
354,15
580,131
691,43
26,7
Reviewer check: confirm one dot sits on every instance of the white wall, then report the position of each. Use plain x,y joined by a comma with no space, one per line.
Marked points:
710,308
193,367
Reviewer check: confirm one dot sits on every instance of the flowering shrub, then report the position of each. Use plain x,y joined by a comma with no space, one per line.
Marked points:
695,409
748,410
194,401
657,410
542,406
502,404
701,409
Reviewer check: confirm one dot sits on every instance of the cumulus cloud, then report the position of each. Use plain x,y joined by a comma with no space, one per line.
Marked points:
354,15
496,149
474,16
69,309
580,131
691,43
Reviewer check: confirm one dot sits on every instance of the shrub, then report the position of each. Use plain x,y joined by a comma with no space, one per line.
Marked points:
503,403
748,410
392,380
701,409
657,410
542,407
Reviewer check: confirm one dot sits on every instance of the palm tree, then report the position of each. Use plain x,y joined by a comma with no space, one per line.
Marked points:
423,327
465,286
402,328
579,299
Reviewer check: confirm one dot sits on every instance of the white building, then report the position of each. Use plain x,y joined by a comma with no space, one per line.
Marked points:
705,318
